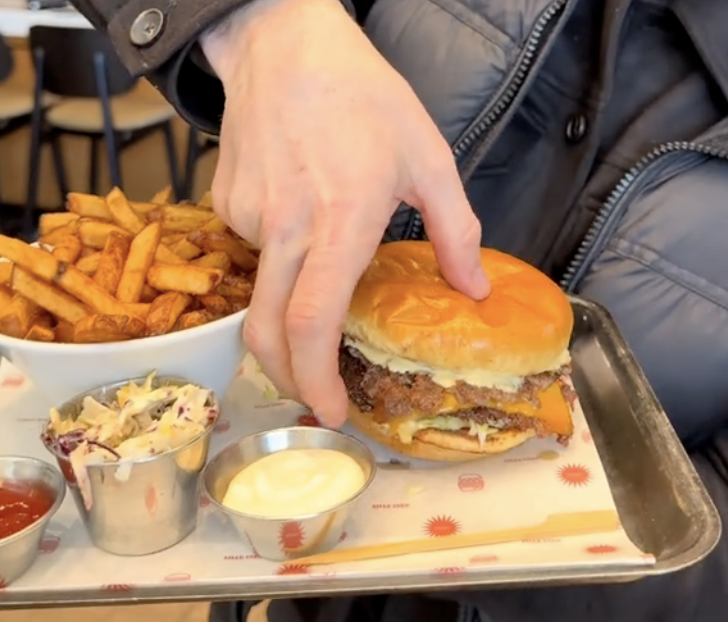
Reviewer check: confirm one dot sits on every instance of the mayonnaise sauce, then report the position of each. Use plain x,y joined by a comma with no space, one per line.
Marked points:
445,377
295,482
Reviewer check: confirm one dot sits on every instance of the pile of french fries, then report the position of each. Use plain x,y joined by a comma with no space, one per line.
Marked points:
110,269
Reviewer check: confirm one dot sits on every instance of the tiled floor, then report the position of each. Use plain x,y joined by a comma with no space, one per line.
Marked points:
196,612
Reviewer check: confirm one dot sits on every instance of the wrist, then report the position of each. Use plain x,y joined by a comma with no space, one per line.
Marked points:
223,43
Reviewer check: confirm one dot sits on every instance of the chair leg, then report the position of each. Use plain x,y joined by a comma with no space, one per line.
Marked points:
59,166
31,197
193,152
93,165
172,160
113,153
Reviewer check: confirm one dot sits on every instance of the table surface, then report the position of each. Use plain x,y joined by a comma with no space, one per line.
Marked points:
16,19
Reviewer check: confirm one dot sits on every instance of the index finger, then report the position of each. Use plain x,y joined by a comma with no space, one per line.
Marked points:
316,315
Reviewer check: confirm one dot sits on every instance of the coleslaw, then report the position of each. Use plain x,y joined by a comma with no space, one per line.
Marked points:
139,423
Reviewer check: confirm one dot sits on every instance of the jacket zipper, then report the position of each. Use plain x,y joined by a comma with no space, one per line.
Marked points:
528,55
608,216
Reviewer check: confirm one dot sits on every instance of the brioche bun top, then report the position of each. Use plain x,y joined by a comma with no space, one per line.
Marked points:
403,307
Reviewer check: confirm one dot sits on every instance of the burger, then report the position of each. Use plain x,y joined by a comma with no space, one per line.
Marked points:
435,375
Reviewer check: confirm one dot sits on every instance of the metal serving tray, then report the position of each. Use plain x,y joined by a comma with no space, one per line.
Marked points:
663,505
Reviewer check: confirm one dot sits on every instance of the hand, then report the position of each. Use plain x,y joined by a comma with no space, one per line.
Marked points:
321,140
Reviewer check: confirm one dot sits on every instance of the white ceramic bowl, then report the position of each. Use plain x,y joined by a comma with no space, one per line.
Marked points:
208,355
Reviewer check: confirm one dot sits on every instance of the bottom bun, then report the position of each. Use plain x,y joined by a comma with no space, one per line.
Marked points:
439,445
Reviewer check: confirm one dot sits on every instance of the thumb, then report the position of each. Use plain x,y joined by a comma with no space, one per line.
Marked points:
454,231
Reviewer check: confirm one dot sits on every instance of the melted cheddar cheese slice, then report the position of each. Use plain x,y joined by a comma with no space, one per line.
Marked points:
553,413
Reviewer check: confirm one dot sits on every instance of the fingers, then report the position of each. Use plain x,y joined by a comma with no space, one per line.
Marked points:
452,227
264,330
316,315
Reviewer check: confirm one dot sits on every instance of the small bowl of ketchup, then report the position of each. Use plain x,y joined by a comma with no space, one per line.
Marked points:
31,491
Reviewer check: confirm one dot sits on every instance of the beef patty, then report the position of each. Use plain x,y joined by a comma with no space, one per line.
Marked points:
400,393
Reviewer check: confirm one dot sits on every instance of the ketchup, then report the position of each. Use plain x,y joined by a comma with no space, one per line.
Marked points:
21,504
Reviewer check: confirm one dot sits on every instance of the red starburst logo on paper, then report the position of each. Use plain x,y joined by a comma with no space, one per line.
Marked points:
291,536
12,381
586,436
309,419
150,500
3,585
117,587
470,482
49,545
343,536
601,549
484,558
450,570
574,475
291,569
439,526
204,501
222,426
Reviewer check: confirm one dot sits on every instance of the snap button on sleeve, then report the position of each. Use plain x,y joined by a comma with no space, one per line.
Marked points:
146,27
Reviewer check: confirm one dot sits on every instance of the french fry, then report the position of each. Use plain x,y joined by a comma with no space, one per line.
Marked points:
164,255
205,201
216,259
88,206
186,249
214,225
122,213
103,328
235,287
50,221
140,309
40,332
162,197
17,317
143,208
87,250
6,295
64,331
148,293
192,319
49,297
111,262
184,219
172,238
216,304
6,273
55,236
35,260
83,287
165,311
186,279
141,255
90,263
225,242
67,249
93,233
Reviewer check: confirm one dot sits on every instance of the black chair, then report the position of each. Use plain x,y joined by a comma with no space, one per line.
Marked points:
198,144
97,101
16,103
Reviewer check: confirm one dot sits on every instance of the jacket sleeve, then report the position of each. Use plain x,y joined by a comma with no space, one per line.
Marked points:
169,56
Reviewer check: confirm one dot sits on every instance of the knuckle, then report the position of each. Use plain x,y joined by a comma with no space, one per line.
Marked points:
438,167
304,320
256,338
473,231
